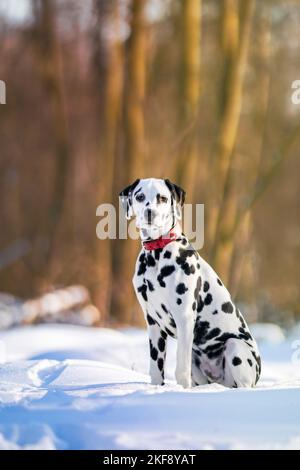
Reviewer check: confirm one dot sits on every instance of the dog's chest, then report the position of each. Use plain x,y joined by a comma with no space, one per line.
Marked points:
151,290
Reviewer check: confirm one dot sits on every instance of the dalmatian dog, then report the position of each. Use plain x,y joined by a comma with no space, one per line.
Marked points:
181,296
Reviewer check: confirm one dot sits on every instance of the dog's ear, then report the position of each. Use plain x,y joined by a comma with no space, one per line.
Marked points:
126,198
177,192
178,195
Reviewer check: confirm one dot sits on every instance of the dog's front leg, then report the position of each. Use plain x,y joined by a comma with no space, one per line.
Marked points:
158,346
185,329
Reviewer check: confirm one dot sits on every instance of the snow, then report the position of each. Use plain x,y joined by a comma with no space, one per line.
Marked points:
72,387
268,332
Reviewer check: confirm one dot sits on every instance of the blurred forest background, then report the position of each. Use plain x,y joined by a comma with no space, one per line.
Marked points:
101,92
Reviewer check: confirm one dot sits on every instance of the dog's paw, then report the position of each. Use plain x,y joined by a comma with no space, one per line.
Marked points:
155,381
184,380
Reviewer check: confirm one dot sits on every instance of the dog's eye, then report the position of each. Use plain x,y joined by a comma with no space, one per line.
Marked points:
163,199
140,197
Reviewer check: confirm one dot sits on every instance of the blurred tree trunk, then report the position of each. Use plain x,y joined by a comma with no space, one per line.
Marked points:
236,27
135,93
50,67
190,80
123,300
229,39
112,62
242,259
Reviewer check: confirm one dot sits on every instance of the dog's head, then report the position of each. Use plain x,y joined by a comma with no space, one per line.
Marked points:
156,204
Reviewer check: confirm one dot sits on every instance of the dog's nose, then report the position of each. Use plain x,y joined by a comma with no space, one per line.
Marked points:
149,215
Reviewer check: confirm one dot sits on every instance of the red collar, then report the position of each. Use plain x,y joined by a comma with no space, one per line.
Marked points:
161,242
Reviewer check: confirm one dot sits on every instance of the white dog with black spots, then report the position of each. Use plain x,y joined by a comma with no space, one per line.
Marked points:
182,296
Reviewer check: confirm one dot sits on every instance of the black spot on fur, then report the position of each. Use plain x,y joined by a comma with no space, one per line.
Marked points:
240,317
164,308
197,361
164,272
225,336
208,299
150,286
200,331
150,260
163,334
181,260
249,362
219,282
153,352
236,361
200,304
213,333
197,351
158,314
258,361
244,334
150,320
160,363
161,344
157,253
213,351
227,307
179,301
194,306
181,288
198,298
142,266
169,332
206,286
215,312
167,254
212,347
172,322
198,266
143,290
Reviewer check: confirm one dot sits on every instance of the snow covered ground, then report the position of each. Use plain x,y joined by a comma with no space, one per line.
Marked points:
67,387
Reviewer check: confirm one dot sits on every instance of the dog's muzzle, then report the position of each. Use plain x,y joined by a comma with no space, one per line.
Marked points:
150,215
